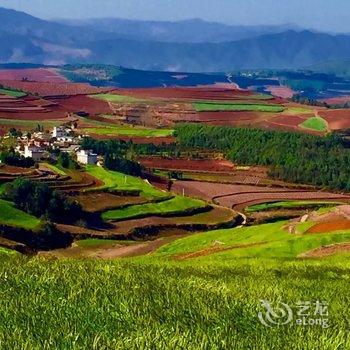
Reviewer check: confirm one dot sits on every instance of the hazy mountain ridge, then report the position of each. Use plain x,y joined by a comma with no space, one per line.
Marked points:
25,38
186,31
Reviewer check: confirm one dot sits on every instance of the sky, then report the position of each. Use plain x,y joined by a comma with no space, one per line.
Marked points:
324,15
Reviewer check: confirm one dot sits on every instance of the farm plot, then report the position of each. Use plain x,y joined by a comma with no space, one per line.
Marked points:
32,74
11,216
221,118
216,217
11,93
126,130
176,206
190,93
46,89
99,202
239,197
337,119
74,104
198,165
114,181
207,106
268,240
315,123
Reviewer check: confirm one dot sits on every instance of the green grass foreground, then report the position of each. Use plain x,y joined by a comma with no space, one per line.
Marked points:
207,107
176,205
11,216
160,302
315,123
67,304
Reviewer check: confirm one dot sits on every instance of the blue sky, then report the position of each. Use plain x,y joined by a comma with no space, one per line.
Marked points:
326,15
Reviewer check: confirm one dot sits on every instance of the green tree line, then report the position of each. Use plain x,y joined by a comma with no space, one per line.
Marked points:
295,157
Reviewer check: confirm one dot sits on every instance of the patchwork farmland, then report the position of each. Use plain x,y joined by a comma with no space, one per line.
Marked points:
183,204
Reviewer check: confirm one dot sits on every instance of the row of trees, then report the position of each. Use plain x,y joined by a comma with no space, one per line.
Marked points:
41,201
295,157
11,157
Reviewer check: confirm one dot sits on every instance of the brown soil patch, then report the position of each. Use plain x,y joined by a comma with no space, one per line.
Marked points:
324,227
327,250
192,93
240,196
134,249
205,165
53,88
87,104
98,202
280,91
32,74
337,119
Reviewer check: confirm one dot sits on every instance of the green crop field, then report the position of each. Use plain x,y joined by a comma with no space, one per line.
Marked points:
127,130
13,93
159,302
116,98
263,241
119,181
11,216
315,123
298,111
176,205
207,107
55,169
290,204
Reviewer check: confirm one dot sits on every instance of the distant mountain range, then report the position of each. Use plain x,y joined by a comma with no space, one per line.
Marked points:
193,45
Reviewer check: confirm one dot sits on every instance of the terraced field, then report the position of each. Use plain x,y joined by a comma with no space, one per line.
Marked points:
208,106
242,196
117,181
174,206
10,216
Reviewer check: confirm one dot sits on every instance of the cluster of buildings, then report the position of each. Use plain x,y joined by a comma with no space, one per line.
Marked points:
41,146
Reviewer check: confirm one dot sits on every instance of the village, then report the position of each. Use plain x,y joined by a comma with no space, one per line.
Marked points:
46,145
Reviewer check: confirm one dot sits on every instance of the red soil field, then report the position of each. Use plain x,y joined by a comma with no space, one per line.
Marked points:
198,165
30,108
32,74
336,118
240,196
53,89
331,226
337,100
198,93
280,91
222,118
83,103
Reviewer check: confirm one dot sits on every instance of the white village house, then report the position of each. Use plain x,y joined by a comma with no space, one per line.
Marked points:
86,157
34,152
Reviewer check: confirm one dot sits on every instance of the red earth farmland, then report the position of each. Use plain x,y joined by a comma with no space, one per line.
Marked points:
198,165
197,93
336,118
32,74
46,89
240,196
